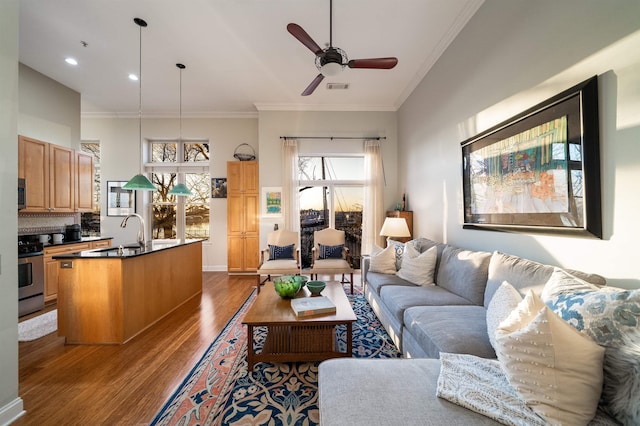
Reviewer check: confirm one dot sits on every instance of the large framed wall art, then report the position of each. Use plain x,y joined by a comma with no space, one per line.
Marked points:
538,171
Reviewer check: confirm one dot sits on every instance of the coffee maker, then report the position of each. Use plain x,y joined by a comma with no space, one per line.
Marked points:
72,233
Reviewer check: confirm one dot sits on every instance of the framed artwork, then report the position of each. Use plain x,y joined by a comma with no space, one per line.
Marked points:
120,201
538,171
218,187
271,201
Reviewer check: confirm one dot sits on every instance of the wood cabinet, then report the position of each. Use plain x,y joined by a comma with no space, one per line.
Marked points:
408,216
243,220
51,266
58,179
84,182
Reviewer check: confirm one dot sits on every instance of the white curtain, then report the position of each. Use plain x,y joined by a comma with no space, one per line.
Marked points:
373,210
290,202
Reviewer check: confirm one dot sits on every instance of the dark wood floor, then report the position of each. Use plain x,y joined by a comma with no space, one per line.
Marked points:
125,385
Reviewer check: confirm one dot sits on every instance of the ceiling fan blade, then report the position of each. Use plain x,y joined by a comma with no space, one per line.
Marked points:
376,63
310,88
304,38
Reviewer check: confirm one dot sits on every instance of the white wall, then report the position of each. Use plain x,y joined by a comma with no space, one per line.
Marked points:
274,124
511,56
10,403
120,160
49,111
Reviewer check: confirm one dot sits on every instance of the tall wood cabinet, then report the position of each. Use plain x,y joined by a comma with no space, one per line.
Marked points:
408,216
243,216
58,178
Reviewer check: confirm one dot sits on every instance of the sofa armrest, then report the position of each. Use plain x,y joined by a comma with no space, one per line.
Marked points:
364,268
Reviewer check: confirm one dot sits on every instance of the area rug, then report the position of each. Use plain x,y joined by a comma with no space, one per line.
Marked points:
220,391
37,327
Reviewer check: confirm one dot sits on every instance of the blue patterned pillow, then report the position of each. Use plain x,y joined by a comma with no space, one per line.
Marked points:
280,252
606,315
331,252
398,247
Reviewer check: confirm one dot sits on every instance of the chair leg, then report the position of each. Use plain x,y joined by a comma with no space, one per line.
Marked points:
352,283
258,277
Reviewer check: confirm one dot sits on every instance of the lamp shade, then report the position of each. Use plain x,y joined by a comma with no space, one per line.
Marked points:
181,190
395,227
140,182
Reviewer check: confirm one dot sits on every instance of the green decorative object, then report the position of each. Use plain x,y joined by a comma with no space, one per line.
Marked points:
302,279
287,286
141,183
315,287
180,189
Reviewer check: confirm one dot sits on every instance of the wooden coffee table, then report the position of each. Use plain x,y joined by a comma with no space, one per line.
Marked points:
292,339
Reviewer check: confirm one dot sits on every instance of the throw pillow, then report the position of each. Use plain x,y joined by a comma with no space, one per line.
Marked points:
562,282
464,273
383,261
331,252
503,302
280,252
554,368
418,268
621,391
398,248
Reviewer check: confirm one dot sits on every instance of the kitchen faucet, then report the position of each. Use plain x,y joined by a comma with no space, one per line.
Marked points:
141,241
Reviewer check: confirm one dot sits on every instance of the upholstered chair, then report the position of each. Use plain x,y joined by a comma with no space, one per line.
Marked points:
280,257
330,256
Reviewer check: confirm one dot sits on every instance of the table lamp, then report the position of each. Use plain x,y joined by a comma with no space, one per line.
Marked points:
395,227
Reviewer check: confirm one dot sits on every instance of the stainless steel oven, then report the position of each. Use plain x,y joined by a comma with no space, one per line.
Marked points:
30,283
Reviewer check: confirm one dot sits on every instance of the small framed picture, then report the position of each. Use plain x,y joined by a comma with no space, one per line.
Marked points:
218,187
271,201
120,201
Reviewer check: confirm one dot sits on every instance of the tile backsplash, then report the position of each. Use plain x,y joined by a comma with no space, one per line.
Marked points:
45,223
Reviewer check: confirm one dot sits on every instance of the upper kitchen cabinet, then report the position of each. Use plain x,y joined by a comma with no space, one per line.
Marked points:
84,182
58,179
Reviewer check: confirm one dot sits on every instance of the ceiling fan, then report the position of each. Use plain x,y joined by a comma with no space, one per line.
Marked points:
331,60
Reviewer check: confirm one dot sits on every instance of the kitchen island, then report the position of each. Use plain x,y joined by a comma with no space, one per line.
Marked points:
108,296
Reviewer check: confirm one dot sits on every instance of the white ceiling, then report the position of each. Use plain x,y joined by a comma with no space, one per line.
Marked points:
238,53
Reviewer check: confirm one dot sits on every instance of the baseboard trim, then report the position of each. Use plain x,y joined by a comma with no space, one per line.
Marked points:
11,412
215,268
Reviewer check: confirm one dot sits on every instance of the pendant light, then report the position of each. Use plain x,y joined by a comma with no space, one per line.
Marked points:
140,182
180,189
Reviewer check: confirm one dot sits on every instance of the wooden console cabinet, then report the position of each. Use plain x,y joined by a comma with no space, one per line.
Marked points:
243,210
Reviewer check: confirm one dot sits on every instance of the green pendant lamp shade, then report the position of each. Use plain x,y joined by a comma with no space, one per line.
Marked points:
180,189
141,183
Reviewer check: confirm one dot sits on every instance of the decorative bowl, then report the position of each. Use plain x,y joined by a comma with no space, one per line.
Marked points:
315,287
287,286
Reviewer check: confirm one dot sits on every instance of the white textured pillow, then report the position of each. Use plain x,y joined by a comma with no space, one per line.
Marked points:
383,260
554,368
417,267
503,302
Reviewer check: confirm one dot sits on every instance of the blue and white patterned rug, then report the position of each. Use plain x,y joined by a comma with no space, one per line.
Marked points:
220,391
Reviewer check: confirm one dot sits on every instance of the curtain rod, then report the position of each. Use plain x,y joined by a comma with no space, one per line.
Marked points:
333,137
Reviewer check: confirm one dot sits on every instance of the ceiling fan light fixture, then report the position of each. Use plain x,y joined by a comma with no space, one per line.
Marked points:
331,69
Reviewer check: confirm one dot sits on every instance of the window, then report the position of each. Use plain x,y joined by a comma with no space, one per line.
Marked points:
173,162
331,195
90,221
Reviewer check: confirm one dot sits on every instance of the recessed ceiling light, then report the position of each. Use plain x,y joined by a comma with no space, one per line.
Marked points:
133,77
71,61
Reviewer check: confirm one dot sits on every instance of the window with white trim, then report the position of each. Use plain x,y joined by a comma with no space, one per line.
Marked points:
180,161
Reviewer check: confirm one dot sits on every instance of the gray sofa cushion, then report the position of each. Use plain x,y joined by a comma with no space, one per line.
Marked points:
464,272
399,298
454,329
376,280
382,392
525,275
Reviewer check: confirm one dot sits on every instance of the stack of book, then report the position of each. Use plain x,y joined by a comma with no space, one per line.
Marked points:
309,306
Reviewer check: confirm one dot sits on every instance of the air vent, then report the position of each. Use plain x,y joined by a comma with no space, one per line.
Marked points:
337,86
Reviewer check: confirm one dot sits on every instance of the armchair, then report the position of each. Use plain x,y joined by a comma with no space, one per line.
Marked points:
281,257
330,256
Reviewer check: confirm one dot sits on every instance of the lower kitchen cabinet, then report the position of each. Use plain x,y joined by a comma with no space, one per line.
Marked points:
51,265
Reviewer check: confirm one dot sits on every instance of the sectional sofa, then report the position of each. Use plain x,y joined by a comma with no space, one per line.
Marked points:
447,316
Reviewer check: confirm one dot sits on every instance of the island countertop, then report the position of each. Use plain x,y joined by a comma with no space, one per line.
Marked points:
128,250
